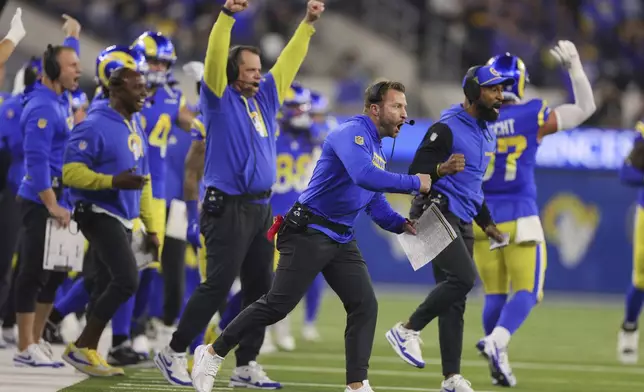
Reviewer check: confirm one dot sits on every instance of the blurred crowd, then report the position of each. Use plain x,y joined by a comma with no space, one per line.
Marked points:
608,33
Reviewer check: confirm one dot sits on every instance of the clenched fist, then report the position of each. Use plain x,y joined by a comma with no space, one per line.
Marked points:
425,182
236,5
314,9
455,164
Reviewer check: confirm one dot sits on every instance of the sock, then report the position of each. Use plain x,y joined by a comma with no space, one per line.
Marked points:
233,307
155,302
492,309
634,301
142,296
74,300
122,321
516,310
312,300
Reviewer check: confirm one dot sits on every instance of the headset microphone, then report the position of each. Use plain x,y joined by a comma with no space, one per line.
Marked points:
410,122
254,84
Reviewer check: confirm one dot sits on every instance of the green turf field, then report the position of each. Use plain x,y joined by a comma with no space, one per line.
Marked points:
564,347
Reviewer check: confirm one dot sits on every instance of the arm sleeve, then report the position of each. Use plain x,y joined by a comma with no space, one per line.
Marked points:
147,216
381,212
291,58
198,130
72,42
350,145
484,217
39,132
217,55
83,149
435,149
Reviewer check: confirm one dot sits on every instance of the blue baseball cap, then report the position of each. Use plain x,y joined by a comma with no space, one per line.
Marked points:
487,76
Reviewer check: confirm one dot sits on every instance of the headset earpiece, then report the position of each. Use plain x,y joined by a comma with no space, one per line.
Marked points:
51,67
471,88
232,68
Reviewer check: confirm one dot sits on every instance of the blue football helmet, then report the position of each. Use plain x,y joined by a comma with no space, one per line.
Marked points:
296,108
156,47
118,56
511,66
79,99
319,103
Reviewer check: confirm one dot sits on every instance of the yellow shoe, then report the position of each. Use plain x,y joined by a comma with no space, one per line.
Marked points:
89,362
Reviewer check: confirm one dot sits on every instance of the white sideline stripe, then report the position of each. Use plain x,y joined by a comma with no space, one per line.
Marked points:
482,363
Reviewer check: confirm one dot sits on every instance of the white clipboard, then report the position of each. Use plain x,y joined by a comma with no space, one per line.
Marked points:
177,226
64,248
433,235
143,258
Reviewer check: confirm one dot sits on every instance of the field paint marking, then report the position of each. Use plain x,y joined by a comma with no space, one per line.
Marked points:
481,363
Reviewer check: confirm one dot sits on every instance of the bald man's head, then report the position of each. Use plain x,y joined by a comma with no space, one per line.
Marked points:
127,89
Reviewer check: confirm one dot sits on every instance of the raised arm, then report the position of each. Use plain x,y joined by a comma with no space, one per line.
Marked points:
72,33
292,57
14,36
218,45
351,146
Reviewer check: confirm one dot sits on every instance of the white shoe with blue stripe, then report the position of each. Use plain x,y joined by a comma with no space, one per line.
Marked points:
252,376
406,343
173,366
34,356
498,360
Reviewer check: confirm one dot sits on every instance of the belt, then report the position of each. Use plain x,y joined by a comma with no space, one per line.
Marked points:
313,219
244,197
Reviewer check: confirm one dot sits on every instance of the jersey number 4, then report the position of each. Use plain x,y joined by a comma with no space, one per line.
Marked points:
159,135
517,144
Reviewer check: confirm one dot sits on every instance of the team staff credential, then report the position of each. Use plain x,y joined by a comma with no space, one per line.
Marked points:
239,108
46,121
317,236
106,168
455,151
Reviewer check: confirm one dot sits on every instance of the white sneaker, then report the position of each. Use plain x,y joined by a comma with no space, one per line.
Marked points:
498,360
173,366
364,388
456,383
9,336
204,369
252,376
283,337
627,346
406,343
33,356
310,333
268,347
45,347
141,345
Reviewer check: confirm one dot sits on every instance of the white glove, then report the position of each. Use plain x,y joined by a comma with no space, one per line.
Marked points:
17,30
566,54
194,69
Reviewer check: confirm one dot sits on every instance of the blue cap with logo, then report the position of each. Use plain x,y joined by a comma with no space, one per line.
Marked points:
487,76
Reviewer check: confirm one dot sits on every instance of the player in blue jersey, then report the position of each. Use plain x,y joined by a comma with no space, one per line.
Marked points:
632,174
510,194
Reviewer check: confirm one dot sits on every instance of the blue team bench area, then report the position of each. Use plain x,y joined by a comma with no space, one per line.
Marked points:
587,213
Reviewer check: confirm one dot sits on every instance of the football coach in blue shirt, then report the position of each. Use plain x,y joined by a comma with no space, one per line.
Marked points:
317,235
455,151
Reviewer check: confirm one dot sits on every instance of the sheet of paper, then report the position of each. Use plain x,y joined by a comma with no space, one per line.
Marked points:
433,235
177,226
64,248
495,245
142,257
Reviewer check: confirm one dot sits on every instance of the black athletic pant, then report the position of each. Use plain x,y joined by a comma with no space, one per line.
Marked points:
302,257
34,283
455,275
113,263
173,261
9,230
236,245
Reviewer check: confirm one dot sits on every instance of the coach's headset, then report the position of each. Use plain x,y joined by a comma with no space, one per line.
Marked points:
51,67
232,67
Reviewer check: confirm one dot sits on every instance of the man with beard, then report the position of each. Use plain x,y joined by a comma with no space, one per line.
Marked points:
455,152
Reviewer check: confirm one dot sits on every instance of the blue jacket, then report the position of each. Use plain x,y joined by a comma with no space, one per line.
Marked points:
457,133
46,121
350,177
